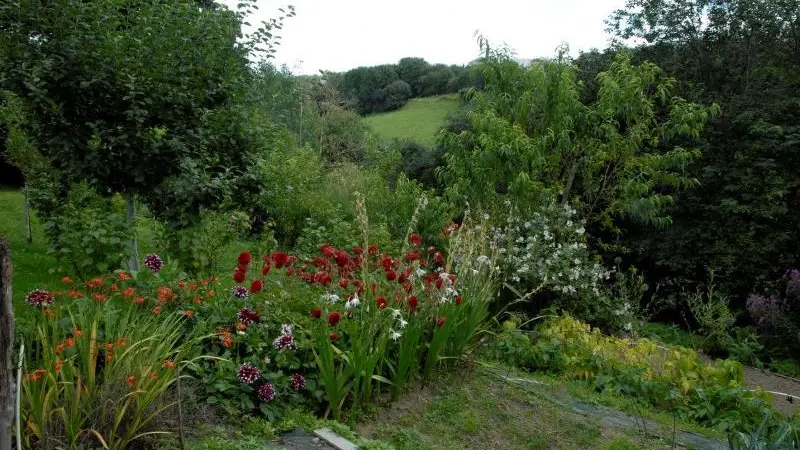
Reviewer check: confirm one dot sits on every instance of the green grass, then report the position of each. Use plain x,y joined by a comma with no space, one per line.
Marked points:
420,120
31,262
670,334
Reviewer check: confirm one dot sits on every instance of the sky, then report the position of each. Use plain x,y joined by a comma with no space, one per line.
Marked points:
339,35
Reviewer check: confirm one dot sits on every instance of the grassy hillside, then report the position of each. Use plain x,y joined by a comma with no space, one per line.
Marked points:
419,120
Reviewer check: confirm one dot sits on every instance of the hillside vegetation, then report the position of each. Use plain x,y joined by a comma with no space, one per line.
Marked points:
420,120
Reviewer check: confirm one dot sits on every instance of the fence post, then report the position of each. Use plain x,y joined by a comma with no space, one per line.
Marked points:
7,402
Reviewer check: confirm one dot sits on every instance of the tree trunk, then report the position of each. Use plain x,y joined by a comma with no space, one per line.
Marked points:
28,231
133,261
6,346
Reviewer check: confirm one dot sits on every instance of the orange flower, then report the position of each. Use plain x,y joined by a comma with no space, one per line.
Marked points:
241,326
109,346
197,300
182,284
67,280
195,286
49,312
77,332
188,313
210,293
138,300
114,287
94,283
204,283
165,294
153,376
59,365
37,375
156,310
69,342
121,342
227,342
131,379
102,298
59,349
128,292
168,364
74,293
123,276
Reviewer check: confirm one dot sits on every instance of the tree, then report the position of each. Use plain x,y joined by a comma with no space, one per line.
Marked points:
125,95
412,70
531,138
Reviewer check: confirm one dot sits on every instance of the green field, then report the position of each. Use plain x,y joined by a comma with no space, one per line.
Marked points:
420,120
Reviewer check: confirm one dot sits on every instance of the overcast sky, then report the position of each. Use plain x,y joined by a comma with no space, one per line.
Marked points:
341,34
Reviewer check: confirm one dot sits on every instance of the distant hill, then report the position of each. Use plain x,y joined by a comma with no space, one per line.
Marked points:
419,120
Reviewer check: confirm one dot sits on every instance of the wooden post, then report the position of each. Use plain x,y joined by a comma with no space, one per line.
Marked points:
7,397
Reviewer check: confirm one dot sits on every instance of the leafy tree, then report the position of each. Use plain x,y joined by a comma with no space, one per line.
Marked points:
126,94
531,137
412,71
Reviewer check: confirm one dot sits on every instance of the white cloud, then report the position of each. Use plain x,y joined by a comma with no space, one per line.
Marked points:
342,34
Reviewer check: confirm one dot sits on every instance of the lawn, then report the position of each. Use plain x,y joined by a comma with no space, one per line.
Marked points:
32,264
420,120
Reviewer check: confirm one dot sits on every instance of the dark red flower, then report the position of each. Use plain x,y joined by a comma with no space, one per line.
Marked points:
359,286
266,392
372,250
266,269
297,382
327,250
256,286
408,287
386,263
343,283
280,259
374,288
440,321
381,302
439,283
247,316
333,318
342,258
391,275
357,250
239,276
411,256
322,278
334,336
415,239
413,303
316,313
438,258
431,250
458,300
244,258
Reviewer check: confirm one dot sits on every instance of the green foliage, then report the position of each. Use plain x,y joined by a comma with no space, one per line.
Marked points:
419,121
530,135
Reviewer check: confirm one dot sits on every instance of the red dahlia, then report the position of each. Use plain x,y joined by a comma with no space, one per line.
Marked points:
391,275
381,302
256,286
239,276
413,303
415,239
316,313
280,259
39,298
333,318
244,258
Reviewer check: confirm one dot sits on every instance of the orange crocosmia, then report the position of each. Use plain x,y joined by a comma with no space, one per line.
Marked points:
189,313
102,298
59,349
94,283
67,280
138,300
182,284
194,286
156,310
204,283
241,326
69,342
109,346
77,332
49,312
197,300
114,287
227,342
121,342
128,292
123,276
210,293
59,365
165,294
168,364
74,293
131,380
153,376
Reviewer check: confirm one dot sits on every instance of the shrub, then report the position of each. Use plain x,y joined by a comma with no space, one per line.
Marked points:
777,317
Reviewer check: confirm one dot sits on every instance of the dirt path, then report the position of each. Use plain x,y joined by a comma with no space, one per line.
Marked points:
755,378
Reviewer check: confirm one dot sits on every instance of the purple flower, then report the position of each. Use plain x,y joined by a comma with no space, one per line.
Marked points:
247,316
297,382
266,392
285,340
153,262
765,310
39,298
248,373
240,292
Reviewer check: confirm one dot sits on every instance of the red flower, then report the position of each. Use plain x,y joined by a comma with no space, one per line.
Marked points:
343,283
440,321
342,258
408,287
266,269
438,258
322,278
439,283
415,239
357,250
386,263
381,302
244,258
334,336
458,300
359,286
372,250
327,250
412,303
411,256
280,259
316,313
256,286
333,318
391,275
239,276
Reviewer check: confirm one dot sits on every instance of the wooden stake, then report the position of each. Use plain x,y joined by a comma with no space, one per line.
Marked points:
7,402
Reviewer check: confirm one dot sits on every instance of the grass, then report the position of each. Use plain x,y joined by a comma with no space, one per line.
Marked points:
670,334
32,264
478,411
420,120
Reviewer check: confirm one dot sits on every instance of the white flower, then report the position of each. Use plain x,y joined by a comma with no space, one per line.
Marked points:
420,272
394,335
483,259
628,326
396,313
451,291
403,323
333,298
286,328
352,303
485,217
580,230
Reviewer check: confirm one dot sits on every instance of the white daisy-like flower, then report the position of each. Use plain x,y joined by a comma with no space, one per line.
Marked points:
352,303
333,298
420,272
394,335
396,313
403,323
